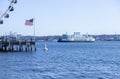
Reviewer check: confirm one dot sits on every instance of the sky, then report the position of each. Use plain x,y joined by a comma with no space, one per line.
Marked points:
55,17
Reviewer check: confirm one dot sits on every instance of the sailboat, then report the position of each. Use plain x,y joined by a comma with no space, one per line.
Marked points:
45,47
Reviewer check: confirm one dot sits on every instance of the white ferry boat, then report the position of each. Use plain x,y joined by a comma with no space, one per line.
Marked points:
76,37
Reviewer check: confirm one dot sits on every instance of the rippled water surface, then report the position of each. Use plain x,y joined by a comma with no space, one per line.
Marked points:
99,60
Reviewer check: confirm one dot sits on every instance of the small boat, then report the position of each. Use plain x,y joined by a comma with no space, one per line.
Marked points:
45,48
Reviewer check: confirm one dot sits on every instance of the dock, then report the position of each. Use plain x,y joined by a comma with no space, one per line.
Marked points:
17,45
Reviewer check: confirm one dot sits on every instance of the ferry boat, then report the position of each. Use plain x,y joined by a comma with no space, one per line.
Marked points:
76,37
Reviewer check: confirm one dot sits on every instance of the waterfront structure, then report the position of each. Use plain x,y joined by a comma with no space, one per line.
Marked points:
76,37
15,44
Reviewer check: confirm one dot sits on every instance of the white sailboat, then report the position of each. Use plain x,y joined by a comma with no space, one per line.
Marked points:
45,47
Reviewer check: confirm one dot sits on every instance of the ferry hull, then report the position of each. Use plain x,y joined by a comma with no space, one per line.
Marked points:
74,41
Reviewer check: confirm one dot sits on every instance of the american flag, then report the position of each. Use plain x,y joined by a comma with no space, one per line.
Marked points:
29,22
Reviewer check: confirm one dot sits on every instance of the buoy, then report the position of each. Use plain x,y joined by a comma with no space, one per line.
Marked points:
45,48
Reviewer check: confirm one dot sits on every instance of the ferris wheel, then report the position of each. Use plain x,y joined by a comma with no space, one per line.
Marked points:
5,13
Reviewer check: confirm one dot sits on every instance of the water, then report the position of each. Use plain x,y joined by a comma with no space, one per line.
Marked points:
99,60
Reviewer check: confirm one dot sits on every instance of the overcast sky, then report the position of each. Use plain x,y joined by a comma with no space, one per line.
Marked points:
55,17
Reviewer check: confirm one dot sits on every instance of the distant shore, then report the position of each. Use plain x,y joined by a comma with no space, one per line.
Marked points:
104,37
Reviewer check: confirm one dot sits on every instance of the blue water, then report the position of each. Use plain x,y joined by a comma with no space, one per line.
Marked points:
99,60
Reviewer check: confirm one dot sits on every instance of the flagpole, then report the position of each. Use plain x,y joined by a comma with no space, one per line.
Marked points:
34,28
34,32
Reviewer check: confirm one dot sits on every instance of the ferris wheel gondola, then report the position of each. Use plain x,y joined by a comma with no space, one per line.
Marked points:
10,8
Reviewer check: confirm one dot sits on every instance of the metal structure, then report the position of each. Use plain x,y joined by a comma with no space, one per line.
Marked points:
9,9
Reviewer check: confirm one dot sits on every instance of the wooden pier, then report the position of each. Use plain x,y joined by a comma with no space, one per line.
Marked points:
17,45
